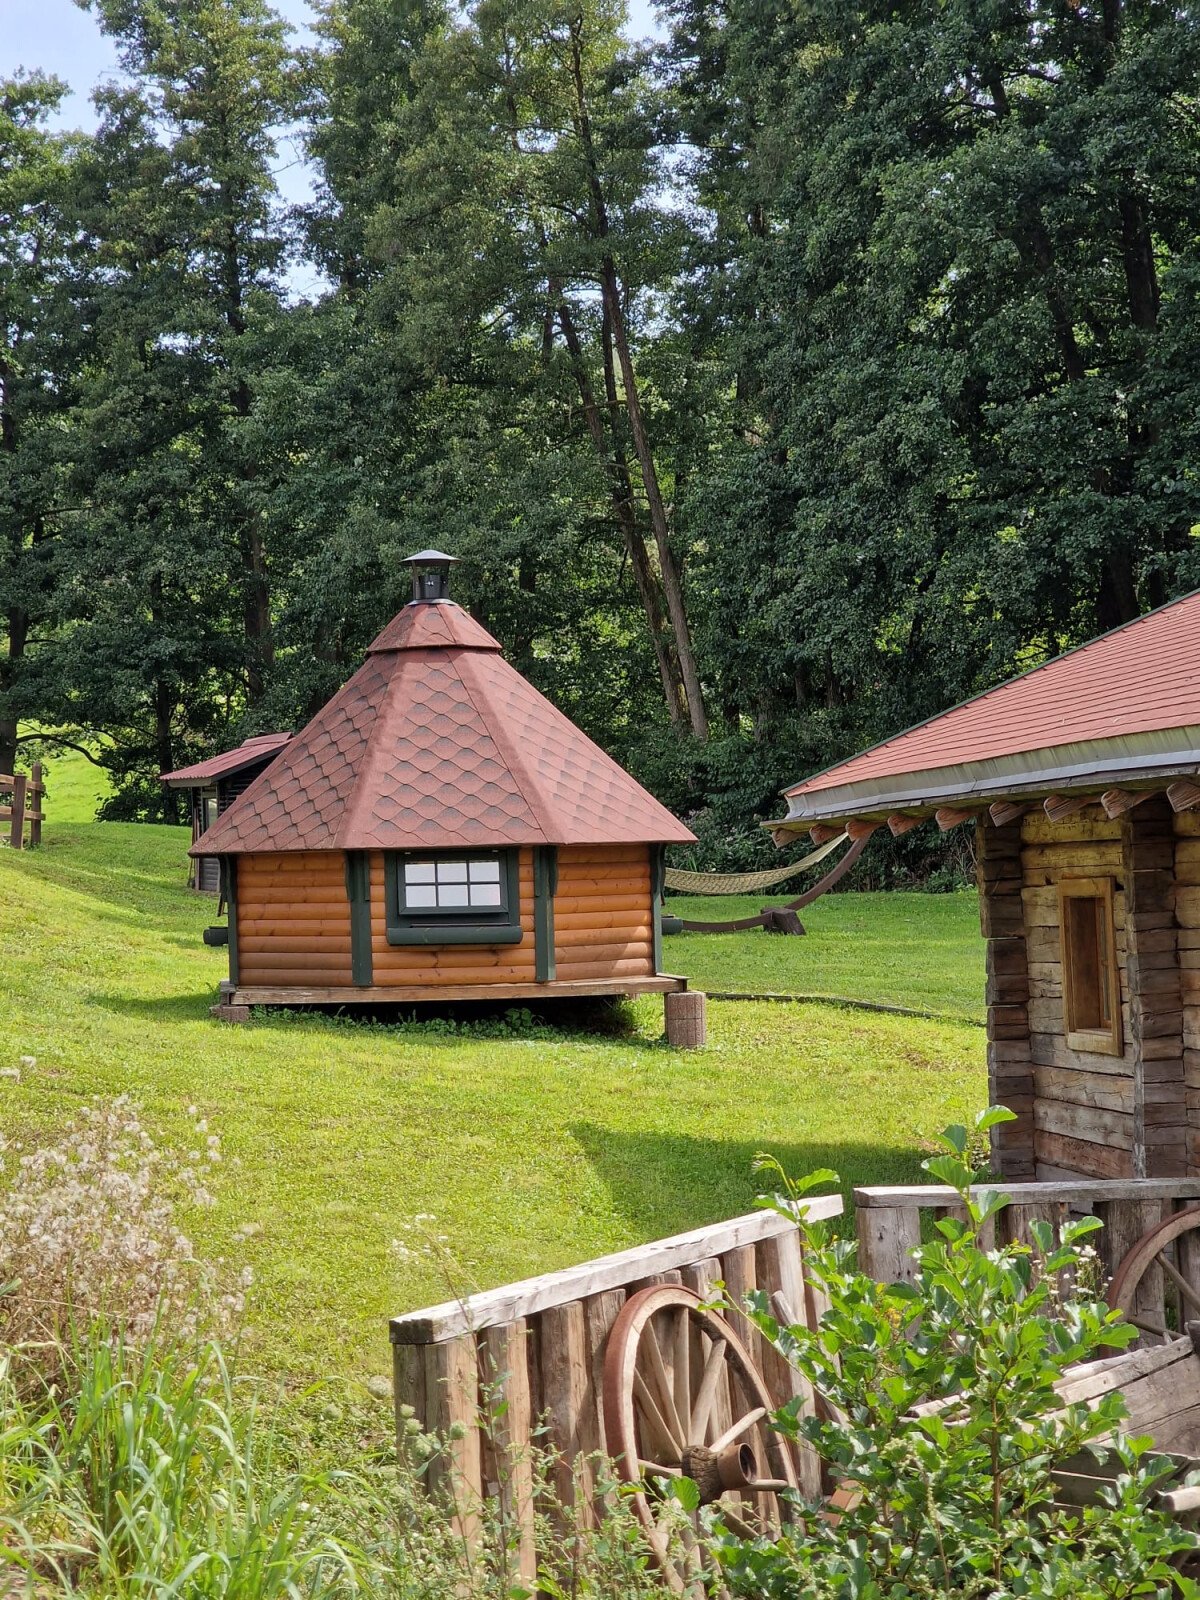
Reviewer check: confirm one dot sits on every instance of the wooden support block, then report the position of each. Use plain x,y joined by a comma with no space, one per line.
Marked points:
1058,807
686,1019
408,1392
899,824
1006,811
821,833
861,828
1183,794
1117,802
948,817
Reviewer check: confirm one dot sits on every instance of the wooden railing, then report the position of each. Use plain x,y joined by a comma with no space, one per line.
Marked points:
888,1222
25,806
530,1357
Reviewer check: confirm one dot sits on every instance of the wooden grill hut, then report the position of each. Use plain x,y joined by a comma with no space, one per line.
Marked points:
1082,782
439,831
212,786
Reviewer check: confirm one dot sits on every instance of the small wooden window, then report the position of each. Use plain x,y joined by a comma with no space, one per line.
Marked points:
1091,983
459,897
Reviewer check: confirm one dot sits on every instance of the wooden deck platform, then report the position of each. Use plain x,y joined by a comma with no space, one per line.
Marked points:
379,994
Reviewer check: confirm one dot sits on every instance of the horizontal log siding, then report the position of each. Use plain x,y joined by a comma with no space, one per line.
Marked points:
293,919
1083,1104
401,966
603,912
1187,916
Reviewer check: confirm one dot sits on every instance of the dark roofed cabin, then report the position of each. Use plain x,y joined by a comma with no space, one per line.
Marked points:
1082,782
440,831
212,786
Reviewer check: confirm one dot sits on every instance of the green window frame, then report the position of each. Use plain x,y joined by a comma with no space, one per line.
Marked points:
453,896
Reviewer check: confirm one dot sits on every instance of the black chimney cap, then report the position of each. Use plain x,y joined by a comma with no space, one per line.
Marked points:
431,574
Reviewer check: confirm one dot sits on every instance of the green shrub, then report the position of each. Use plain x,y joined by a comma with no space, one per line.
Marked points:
943,1416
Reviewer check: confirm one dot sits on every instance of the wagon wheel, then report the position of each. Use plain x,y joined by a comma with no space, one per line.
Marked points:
682,1398
1152,1250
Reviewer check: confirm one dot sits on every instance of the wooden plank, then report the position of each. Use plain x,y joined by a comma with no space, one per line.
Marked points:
452,1403
779,1267
600,1312
1082,1191
1052,1050
569,1398
504,1373
615,1271
886,1236
1104,1160
1089,1122
276,994
1110,1091
408,1392
739,1270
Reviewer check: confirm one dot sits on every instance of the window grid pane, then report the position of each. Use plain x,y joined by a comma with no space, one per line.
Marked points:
453,885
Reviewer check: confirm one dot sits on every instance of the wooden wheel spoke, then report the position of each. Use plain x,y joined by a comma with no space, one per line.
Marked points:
706,1398
741,1426
683,1366
659,1469
662,1382
649,1407
1148,1325
735,1522
1177,1277
768,1485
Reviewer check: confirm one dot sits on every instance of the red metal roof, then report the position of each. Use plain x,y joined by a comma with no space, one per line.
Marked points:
1141,678
245,755
436,742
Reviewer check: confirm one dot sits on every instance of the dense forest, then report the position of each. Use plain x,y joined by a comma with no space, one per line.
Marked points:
779,382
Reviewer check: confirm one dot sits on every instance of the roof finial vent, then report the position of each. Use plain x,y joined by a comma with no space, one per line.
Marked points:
431,574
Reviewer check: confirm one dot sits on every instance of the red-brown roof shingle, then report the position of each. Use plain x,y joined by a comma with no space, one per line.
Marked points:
437,742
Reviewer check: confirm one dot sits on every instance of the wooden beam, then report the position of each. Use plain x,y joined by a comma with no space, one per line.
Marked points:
626,1267
822,832
1058,807
1117,802
1006,811
438,994
898,823
860,828
947,817
1183,794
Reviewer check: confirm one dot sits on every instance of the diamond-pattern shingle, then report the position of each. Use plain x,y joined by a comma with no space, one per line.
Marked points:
437,742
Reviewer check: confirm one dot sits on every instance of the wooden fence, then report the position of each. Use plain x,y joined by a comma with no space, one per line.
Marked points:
888,1222
25,796
531,1355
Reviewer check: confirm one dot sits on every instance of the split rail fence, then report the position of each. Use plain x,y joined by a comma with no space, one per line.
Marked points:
25,795
526,1360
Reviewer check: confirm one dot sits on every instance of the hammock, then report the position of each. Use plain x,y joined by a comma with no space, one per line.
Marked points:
745,882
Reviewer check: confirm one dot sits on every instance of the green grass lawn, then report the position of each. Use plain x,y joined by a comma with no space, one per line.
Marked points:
922,951
530,1152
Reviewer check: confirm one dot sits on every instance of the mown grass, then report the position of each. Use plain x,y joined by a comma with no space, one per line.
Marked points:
922,951
530,1152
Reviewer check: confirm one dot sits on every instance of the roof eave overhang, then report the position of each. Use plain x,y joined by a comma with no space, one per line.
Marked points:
1131,760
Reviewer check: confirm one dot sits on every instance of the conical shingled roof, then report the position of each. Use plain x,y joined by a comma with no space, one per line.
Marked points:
437,743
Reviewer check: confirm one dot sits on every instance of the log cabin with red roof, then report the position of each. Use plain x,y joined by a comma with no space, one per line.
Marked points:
440,831
1081,779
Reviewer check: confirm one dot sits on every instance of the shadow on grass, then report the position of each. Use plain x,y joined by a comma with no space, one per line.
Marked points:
431,1022
159,1008
668,1182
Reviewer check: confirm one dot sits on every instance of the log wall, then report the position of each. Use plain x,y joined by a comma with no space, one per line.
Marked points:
1082,1113
293,925
1187,918
293,919
438,965
603,912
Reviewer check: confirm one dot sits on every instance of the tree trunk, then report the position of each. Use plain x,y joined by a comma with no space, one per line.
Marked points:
621,493
164,707
18,633
611,298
